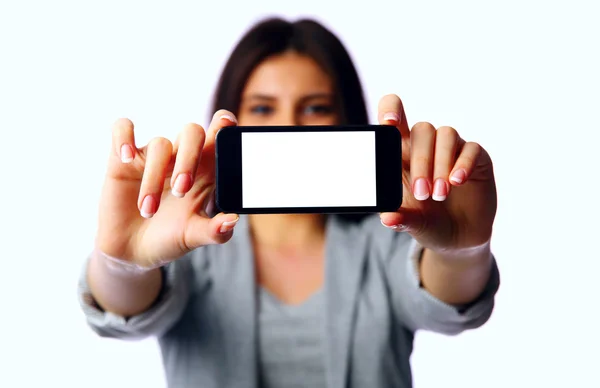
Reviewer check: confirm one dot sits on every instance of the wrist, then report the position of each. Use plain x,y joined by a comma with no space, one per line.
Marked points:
464,258
121,267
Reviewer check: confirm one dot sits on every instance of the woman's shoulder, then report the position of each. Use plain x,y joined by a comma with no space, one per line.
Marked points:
369,230
353,223
350,230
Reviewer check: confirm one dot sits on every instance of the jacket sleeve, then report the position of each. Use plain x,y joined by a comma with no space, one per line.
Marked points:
413,305
155,321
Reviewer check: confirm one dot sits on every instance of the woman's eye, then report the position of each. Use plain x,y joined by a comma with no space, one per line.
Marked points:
318,109
261,109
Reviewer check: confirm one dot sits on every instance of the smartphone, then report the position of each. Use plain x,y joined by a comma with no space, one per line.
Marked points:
308,169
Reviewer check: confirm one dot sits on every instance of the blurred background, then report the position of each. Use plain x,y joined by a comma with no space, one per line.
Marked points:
519,77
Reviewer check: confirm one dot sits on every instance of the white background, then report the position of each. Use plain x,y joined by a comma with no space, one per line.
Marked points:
308,169
520,77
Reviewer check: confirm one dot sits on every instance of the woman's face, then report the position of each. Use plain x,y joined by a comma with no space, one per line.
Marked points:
288,89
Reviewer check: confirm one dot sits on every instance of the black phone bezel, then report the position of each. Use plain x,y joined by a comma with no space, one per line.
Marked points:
228,165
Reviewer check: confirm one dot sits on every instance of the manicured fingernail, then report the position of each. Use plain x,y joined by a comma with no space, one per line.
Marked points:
421,189
397,227
229,117
148,207
458,176
126,153
182,185
392,116
440,190
228,225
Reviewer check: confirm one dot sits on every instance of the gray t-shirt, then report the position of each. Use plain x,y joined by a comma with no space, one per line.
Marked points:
290,342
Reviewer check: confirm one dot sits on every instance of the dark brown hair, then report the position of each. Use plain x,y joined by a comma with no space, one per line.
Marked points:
307,37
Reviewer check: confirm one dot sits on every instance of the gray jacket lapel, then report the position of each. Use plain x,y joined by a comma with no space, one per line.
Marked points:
237,310
345,258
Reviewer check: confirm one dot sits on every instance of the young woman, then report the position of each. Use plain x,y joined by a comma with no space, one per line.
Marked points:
289,300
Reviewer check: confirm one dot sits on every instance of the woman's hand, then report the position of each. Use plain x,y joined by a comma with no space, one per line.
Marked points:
450,201
156,200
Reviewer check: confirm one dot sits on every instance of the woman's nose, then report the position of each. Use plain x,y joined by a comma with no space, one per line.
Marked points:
287,117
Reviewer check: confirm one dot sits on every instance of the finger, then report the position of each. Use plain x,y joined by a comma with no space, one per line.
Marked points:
391,112
188,151
221,118
123,141
403,221
422,143
158,157
446,140
206,231
465,163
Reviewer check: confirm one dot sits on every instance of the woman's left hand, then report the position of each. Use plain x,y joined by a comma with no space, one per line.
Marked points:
449,194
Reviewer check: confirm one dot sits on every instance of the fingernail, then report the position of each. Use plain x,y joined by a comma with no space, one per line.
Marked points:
126,153
228,225
397,227
228,117
458,176
440,190
181,186
421,189
148,207
392,116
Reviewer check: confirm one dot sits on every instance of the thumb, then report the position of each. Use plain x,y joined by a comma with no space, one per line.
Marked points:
404,220
208,231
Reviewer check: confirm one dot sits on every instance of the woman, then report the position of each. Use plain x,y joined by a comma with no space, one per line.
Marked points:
289,300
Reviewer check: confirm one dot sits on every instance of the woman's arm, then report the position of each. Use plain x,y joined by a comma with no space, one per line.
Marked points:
445,294
122,290
457,277
133,306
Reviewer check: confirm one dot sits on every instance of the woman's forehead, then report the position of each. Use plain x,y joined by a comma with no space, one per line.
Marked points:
288,75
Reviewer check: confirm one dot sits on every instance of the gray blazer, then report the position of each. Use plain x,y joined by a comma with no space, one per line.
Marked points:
206,317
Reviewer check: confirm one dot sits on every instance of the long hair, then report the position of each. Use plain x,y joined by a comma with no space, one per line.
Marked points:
307,37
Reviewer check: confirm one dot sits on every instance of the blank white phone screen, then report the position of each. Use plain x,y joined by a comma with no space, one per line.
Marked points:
308,169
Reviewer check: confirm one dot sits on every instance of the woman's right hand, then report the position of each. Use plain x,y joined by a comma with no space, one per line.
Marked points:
156,203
